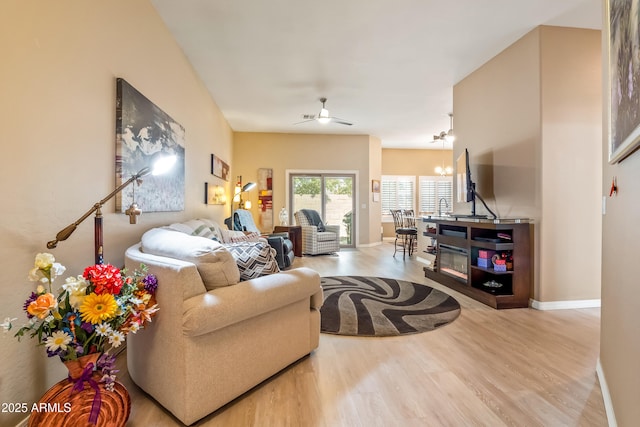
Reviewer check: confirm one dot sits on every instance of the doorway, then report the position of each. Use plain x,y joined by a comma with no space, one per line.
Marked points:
332,195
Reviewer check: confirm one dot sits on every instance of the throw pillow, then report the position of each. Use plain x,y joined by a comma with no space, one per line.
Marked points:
216,265
254,259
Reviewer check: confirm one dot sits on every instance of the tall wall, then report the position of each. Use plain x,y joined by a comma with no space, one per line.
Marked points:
571,101
59,64
619,338
296,152
530,119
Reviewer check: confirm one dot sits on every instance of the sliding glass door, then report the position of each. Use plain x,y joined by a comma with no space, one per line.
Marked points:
332,195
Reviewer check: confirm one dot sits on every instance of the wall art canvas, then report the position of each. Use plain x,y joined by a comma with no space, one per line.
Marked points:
624,78
145,133
219,168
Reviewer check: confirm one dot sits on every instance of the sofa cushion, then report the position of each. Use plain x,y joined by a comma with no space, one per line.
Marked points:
327,236
254,259
216,265
223,307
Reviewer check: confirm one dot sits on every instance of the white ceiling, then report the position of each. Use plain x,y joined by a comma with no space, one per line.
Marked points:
388,66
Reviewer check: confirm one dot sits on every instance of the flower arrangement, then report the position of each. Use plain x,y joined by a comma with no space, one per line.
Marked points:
91,313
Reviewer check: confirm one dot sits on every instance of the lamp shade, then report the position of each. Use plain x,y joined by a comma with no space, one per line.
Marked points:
248,186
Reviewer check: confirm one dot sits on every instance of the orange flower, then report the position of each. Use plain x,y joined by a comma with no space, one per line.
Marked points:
42,306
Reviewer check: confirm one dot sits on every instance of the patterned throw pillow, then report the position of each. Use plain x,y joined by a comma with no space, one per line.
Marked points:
254,259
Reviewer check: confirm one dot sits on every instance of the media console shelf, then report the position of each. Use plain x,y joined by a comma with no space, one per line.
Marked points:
463,251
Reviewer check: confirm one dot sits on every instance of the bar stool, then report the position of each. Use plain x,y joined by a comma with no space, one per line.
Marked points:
409,221
406,235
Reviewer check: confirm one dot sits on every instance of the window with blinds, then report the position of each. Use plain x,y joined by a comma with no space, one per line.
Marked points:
431,190
397,192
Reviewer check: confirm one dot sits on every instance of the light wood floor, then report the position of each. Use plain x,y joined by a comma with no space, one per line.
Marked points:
518,367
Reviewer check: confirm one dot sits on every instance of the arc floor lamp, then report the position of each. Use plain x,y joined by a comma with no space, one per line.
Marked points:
161,166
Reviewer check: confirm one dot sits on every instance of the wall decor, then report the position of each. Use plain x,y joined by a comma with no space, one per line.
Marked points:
624,78
265,199
214,194
144,134
219,168
375,190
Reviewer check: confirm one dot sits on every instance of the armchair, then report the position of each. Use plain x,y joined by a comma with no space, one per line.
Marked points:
317,238
243,221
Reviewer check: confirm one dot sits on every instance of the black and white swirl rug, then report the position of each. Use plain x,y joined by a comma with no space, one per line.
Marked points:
379,307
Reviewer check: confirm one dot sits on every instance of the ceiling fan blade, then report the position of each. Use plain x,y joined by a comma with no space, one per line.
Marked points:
305,121
340,121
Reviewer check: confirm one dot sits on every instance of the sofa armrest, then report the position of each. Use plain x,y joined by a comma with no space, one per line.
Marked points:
332,228
226,306
277,243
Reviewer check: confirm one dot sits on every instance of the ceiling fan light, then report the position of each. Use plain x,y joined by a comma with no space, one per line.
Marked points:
323,117
450,137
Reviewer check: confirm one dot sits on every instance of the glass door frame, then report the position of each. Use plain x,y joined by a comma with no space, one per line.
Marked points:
322,174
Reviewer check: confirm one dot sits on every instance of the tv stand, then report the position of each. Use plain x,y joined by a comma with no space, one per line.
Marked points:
453,246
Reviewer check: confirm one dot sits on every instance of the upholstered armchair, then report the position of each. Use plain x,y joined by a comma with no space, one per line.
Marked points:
243,221
317,237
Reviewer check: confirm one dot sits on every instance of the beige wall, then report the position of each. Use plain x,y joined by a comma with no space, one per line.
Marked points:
60,60
284,152
619,338
571,164
412,162
529,118
375,172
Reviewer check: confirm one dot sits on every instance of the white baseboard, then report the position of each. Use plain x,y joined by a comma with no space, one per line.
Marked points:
563,305
606,396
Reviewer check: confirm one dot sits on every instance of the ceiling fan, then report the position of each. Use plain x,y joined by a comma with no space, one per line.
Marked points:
323,117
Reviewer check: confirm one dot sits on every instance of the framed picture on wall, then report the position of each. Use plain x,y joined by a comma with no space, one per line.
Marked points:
219,168
145,133
624,78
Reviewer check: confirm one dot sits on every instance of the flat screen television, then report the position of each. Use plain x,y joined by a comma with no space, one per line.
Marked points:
467,188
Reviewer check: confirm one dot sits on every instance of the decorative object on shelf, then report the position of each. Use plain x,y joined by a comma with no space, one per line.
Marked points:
214,195
90,315
265,199
283,217
624,120
143,133
219,168
160,166
492,284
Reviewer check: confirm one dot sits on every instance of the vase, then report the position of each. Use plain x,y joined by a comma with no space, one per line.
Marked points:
69,403
284,217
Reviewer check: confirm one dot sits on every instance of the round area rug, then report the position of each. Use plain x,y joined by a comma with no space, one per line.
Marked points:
379,307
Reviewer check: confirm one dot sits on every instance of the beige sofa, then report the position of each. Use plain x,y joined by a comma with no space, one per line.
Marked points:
214,339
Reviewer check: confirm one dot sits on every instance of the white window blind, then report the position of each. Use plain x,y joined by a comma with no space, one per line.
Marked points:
431,190
397,192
